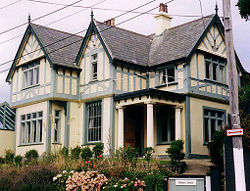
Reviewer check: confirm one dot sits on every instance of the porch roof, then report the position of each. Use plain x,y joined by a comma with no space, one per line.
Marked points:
150,92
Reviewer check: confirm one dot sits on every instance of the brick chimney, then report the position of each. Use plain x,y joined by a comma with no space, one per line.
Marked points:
110,22
163,20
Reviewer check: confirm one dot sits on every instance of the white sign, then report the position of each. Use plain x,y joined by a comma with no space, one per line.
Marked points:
185,182
235,132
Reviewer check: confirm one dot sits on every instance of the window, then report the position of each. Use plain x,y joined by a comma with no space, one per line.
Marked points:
215,69
167,76
165,124
94,121
214,120
31,128
94,66
57,126
31,74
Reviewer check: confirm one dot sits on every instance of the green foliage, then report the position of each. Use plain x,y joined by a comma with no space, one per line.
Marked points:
175,151
65,152
215,147
9,156
18,160
31,155
86,153
129,154
148,152
75,153
244,7
244,91
245,124
98,150
2,160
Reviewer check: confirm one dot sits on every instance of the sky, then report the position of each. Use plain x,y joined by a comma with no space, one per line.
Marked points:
15,12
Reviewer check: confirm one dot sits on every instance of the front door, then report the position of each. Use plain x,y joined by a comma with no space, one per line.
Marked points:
134,127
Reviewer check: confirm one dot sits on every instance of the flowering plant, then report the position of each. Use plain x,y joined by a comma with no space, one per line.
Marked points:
125,185
60,179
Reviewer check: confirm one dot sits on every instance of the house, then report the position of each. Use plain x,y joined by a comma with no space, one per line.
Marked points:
121,88
7,128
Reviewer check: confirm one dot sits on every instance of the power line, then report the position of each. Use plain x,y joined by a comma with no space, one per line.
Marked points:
202,14
10,4
56,21
50,13
81,32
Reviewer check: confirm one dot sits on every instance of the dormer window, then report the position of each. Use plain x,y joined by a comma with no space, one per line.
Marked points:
215,69
31,74
167,76
94,66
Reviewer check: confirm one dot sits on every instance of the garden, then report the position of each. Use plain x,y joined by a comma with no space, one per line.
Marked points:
87,169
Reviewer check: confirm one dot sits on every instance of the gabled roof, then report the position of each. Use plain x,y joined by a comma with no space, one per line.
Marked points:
177,42
125,45
59,47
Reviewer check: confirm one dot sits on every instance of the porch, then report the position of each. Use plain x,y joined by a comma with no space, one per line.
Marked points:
149,118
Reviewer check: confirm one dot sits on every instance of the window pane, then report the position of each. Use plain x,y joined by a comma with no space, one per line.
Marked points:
41,130
207,70
57,113
33,115
40,114
213,127
222,76
220,125
94,70
34,131
29,132
162,77
94,57
214,71
22,133
56,130
36,75
25,83
30,77
28,116
171,75
22,117
206,130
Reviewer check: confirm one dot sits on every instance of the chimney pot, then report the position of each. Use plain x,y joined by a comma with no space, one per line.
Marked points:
163,19
163,8
110,22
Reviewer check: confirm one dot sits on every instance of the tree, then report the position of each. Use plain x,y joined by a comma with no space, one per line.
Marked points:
244,7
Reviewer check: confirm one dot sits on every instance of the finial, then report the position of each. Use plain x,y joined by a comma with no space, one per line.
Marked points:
216,8
92,15
29,18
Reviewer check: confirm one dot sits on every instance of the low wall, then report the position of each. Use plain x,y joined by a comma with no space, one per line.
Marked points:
7,140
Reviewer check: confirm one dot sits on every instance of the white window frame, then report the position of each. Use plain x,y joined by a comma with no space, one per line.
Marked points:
163,76
31,128
94,63
57,127
31,74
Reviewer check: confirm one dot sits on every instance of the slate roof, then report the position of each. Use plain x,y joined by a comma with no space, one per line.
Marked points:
125,45
175,43
61,47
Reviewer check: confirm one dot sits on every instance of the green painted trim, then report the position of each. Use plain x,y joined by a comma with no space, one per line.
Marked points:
197,156
197,66
67,126
187,127
215,117
48,129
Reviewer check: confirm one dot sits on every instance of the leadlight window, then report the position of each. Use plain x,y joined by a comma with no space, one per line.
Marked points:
94,121
31,73
57,127
31,128
215,69
214,120
94,66
165,124
167,76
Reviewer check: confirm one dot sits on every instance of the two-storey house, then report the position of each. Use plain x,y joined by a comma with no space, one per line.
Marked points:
121,88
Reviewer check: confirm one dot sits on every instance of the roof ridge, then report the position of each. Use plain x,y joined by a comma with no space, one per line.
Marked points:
57,30
192,21
124,29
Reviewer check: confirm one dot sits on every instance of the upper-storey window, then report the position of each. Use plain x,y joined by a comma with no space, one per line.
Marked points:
215,69
31,73
94,66
167,76
57,126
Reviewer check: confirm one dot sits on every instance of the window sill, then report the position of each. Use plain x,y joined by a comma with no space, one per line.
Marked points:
93,81
31,86
93,143
169,84
29,144
215,82
162,144
56,143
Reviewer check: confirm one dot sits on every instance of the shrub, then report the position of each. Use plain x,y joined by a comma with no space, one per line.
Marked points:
175,151
215,147
65,152
98,150
31,155
89,180
9,156
7,177
148,152
38,177
129,154
75,152
18,160
86,153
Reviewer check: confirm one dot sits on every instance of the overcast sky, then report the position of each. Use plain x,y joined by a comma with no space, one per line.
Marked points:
17,14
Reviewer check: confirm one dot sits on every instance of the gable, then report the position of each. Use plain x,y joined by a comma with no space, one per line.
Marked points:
213,42
31,50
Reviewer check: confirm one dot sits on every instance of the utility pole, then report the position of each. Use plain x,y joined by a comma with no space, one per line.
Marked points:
240,184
